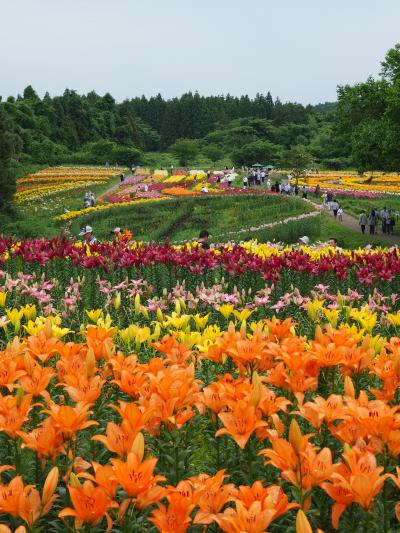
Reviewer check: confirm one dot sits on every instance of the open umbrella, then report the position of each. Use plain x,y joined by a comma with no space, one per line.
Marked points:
270,167
257,165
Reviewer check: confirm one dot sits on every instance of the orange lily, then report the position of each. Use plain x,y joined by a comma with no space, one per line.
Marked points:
176,517
69,420
240,422
90,505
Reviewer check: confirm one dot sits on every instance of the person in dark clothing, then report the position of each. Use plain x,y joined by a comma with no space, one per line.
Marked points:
203,239
296,190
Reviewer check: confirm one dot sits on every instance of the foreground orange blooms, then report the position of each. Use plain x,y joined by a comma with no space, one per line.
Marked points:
250,430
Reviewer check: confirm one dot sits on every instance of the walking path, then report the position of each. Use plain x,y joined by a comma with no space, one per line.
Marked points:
107,192
352,223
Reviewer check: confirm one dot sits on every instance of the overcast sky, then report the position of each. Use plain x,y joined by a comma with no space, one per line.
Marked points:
300,50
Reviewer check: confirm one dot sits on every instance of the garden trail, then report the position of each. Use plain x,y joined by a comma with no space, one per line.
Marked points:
105,193
352,223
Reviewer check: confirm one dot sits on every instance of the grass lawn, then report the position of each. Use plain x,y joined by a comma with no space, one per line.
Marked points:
35,218
183,218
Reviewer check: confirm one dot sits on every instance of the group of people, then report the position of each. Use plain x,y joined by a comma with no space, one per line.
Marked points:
386,217
89,200
256,177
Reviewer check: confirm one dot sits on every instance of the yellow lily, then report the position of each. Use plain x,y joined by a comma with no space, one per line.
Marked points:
29,311
94,314
200,321
226,310
3,298
315,309
243,315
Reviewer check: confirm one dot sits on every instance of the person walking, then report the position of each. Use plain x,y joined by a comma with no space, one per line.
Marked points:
372,222
92,199
245,181
391,221
384,219
335,208
340,214
362,221
304,192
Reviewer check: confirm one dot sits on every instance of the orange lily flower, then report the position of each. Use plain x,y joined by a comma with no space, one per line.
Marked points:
90,505
36,380
357,480
14,412
103,477
255,519
100,340
271,497
135,476
211,495
176,517
9,373
240,422
83,389
45,440
42,346
69,420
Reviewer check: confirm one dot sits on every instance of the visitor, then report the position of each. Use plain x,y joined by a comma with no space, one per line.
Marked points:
384,214
121,178
86,200
245,182
87,234
340,214
92,199
277,186
107,164
230,179
391,221
204,189
203,239
296,190
304,192
116,232
146,187
334,207
268,184
333,243
304,241
372,222
262,175
362,221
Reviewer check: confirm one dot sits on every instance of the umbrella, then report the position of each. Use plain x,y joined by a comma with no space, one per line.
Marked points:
270,167
257,165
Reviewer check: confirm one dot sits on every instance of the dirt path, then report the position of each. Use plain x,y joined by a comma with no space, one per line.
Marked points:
107,192
352,223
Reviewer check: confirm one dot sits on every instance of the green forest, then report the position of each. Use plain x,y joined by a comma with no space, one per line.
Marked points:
361,130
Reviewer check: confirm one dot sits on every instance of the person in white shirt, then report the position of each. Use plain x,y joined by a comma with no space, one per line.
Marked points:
340,214
245,181
87,234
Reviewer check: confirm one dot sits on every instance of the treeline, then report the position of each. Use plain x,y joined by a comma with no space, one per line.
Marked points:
92,129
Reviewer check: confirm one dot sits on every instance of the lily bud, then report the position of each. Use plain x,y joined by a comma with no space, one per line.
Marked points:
117,301
346,449
74,480
144,311
349,387
396,363
50,485
20,394
137,304
28,363
90,362
138,446
256,389
160,316
295,436
48,329
302,523
157,332
177,306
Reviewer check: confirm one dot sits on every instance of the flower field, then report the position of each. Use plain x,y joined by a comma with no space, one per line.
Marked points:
59,179
248,388
350,182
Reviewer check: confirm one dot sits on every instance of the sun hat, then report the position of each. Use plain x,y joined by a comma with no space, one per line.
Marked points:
116,230
305,240
85,230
